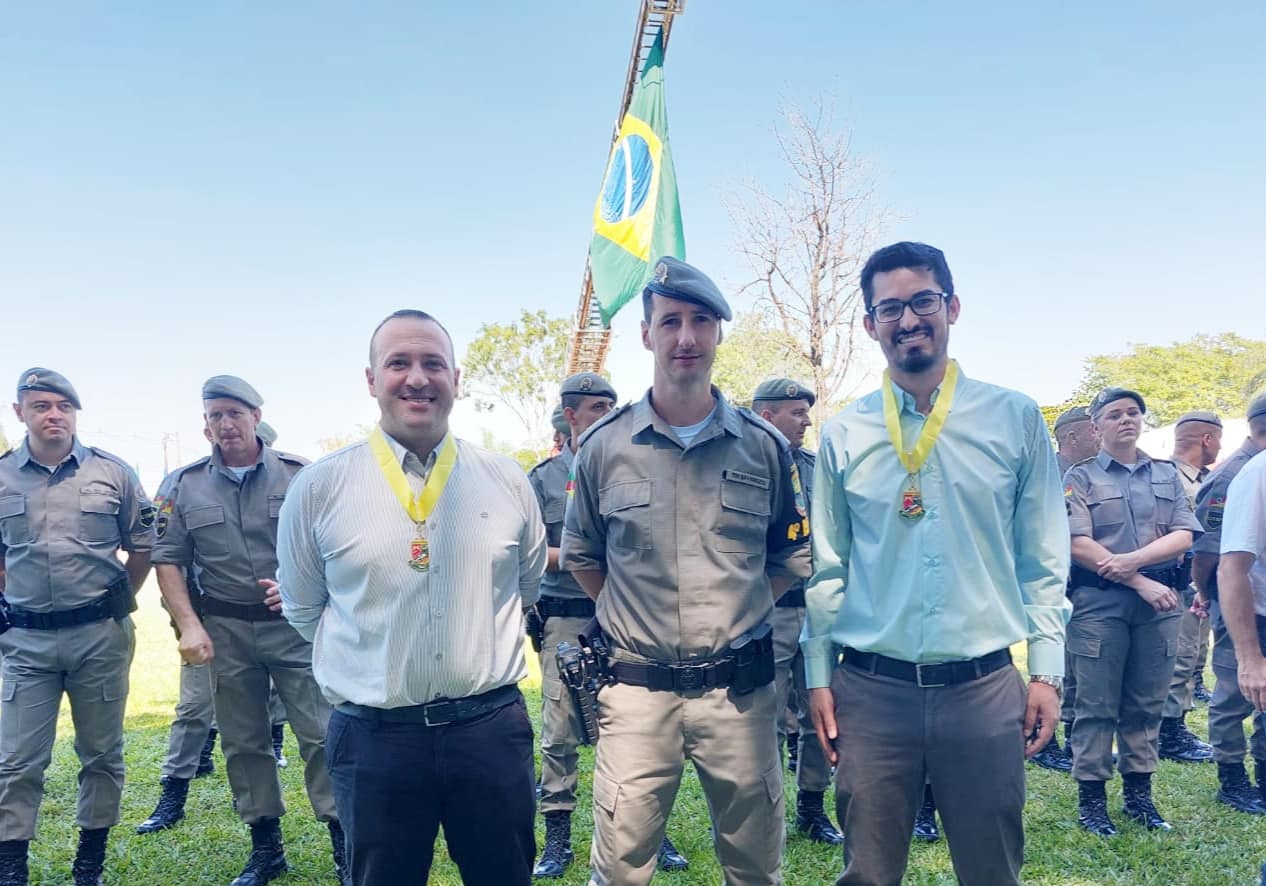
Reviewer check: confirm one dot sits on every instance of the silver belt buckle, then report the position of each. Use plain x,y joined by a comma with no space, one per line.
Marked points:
918,676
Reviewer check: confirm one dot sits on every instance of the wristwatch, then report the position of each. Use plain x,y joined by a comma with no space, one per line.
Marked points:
1056,683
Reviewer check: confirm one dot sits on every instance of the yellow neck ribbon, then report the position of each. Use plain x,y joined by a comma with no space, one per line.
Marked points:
418,507
913,459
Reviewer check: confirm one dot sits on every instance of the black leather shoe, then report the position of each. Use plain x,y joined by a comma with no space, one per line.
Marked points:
1236,791
812,820
925,822
1092,809
170,808
1200,693
13,867
1054,757
1138,803
206,765
558,853
267,860
1178,743
670,859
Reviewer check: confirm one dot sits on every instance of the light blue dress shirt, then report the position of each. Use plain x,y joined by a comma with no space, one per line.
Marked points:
984,568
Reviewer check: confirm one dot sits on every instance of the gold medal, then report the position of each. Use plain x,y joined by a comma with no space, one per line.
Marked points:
912,499
420,552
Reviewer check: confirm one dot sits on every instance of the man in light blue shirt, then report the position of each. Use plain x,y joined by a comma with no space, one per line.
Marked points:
940,540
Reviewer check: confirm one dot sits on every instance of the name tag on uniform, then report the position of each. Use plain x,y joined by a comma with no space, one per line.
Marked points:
746,479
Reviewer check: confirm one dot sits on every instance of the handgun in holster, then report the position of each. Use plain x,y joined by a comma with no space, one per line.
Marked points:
535,627
753,656
585,669
121,599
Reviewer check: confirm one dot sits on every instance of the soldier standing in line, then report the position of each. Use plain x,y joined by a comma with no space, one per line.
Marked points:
785,404
66,510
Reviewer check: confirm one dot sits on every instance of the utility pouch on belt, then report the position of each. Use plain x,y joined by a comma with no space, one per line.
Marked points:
120,599
535,626
1184,572
753,655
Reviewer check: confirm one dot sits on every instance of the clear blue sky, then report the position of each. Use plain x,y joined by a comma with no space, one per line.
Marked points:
242,187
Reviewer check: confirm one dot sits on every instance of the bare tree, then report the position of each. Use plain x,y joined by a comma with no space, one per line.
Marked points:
806,248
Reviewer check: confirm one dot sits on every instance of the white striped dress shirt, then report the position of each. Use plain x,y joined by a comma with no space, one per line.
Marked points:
384,634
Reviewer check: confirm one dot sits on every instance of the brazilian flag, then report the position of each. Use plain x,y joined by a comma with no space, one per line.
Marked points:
637,217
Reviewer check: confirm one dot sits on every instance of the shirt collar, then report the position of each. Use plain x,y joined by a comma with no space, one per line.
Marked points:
906,401
409,460
645,416
1104,460
217,459
78,452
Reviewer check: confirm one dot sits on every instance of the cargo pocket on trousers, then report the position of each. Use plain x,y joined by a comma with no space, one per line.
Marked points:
773,783
552,688
1083,645
606,794
114,689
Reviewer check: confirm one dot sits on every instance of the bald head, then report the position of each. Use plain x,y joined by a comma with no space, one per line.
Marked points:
1197,442
408,314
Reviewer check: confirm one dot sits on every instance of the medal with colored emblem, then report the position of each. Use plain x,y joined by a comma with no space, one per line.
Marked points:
912,499
420,551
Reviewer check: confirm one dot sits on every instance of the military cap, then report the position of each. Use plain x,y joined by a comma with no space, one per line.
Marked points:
1111,395
1257,406
1071,416
673,278
37,378
588,384
233,387
1203,415
266,432
559,421
783,389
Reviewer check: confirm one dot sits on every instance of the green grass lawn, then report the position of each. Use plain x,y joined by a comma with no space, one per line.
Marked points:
1210,844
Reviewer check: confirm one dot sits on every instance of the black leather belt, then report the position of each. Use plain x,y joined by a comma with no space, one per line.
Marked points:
243,611
97,610
436,713
947,673
674,678
793,599
565,607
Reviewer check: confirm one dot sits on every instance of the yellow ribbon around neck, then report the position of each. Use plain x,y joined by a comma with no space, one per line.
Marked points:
418,507
913,459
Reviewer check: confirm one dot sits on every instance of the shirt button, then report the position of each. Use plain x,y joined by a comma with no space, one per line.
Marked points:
439,655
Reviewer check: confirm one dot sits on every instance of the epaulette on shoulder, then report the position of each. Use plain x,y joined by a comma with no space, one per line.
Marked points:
542,463
765,426
603,422
292,458
7,453
1083,461
184,469
108,456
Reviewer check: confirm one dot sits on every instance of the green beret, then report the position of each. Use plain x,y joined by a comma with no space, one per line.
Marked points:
783,389
266,432
233,387
37,378
1111,395
1072,416
673,278
1257,407
1203,415
588,384
559,421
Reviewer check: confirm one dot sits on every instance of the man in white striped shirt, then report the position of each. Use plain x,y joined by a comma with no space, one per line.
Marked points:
408,559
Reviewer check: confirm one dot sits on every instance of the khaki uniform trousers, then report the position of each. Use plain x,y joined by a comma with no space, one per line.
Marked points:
195,718
1123,654
646,739
1193,649
89,663
1229,707
247,654
812,771
560,721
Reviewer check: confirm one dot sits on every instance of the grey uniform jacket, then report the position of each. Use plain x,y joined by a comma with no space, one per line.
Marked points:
549,481
1125,510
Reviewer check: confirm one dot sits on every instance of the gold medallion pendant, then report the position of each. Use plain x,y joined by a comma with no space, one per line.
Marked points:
420,554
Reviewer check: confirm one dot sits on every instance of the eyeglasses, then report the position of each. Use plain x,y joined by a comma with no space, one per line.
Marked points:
922,303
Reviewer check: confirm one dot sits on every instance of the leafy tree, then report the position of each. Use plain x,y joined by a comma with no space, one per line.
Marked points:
806,246
338,441
4,441
518,366
1218,372
754,349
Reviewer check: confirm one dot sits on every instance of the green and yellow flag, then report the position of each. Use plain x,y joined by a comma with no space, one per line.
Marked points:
637,217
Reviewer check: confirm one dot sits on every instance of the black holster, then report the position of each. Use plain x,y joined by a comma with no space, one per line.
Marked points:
753,655
120,599
5,622
535,628
585,669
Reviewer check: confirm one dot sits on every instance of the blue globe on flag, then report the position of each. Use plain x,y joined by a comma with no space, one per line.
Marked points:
629,179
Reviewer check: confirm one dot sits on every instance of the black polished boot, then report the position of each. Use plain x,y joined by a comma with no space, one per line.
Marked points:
558,853
1138,801
1236,791
206,765
90,856
925,821
170,808
279,736
13,870
669,858
812,820
268,856
338,843
1178,743
1053,756
1199,692
1092,809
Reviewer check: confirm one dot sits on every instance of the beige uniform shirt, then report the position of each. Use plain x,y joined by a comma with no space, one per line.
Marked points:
687,537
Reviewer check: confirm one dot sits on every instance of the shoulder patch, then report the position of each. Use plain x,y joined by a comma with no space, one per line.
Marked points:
146,515
603,422
1213,517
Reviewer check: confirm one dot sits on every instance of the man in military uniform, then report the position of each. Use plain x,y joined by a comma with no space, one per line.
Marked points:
685,525
785,404
1131,524
1228,708
562,430
219,515
562,613
1197,442
65,511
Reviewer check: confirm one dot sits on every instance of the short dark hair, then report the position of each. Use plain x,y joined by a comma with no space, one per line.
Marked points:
572,401
412,314
905,254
